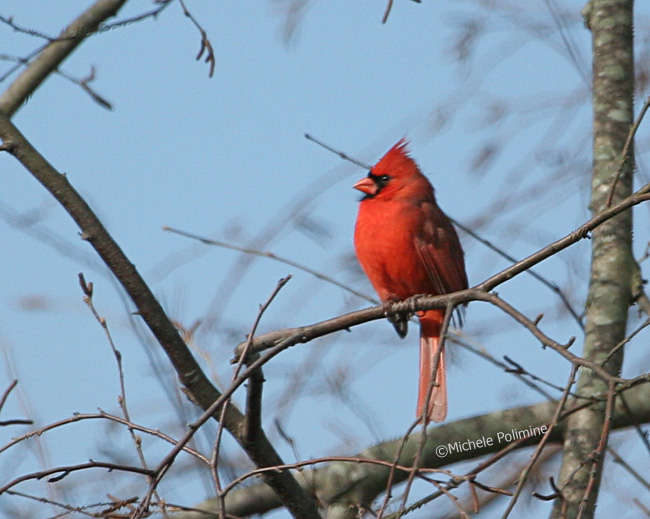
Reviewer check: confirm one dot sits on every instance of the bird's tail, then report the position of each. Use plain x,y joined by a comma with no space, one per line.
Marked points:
432,356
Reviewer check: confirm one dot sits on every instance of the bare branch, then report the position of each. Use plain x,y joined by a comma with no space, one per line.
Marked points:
3,400
8,20
153,13
189,372
424,419
254,392
55,52
598,456
363,480
545,340
64,471
99,416
84,84
618,459
389,7
283,339
107,507
88,299
6,393
206,45
538,450
530,272
391,480
275,257
253,416
344,156
625,154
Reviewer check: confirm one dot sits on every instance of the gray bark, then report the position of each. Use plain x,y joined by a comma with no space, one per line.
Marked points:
609,296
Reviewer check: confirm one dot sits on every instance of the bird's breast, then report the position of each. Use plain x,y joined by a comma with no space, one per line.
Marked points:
385,245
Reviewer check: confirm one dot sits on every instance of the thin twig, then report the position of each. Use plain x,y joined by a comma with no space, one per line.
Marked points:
625,154
540,446
530,272
8,20
627,339
88,291
545,340
389,6
108,506
51,55
153,13
252,421
521,371
254,394
425,414
313,139
101,415
635,474
203,392
394,468
330,459
84,84
168,460
275,257
6,393
598,457
643,436
19,62
64,471
206,45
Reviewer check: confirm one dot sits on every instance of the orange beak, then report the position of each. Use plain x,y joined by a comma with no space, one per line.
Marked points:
366,185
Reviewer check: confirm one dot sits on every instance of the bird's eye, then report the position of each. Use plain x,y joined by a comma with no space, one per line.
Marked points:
382,180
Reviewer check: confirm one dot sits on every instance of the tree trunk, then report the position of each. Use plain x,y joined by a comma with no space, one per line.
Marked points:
609,294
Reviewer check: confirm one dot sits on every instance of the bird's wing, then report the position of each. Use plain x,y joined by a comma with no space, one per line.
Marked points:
439,249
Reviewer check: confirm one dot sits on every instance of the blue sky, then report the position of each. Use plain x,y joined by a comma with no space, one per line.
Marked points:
226,158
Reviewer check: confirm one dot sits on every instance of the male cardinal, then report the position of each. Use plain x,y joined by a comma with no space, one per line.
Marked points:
408,246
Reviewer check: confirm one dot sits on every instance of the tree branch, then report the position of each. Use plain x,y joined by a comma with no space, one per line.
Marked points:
66,470
353,481
55,53
307,333
272,256
192,377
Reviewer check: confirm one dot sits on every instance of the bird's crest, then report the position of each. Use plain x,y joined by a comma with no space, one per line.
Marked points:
396,160
399,151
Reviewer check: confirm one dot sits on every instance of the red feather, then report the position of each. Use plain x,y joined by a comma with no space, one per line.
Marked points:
408,246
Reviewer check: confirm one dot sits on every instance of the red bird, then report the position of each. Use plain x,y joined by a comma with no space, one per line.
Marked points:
408,246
